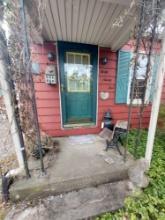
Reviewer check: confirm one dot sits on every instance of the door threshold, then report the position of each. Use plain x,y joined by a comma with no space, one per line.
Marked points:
90,124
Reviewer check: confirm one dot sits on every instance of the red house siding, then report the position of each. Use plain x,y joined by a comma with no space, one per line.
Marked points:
48,96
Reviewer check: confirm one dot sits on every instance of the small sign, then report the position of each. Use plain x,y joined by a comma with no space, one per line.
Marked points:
51,75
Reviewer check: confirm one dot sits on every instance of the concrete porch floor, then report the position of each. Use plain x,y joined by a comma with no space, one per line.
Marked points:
82,162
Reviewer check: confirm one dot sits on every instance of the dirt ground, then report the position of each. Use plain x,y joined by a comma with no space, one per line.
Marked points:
7,153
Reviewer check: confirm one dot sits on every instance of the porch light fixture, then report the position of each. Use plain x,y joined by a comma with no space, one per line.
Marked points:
51,56
104,60
104,57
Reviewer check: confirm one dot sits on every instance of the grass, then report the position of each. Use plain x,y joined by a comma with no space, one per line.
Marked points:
150,204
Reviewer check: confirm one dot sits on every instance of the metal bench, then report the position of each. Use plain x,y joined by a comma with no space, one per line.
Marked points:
119,130
114,137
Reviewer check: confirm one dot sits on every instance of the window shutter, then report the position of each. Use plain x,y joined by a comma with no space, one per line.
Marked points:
122,76
154,72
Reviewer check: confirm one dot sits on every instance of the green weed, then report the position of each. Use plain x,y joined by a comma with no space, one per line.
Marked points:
150,204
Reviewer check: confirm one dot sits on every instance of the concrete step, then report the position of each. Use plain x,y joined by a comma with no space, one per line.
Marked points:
75,167
34,188
75,205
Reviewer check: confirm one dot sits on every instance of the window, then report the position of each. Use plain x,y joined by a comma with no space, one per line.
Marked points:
125,74
141,86
78,71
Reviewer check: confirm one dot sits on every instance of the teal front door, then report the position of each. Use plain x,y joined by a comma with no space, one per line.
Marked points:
78,79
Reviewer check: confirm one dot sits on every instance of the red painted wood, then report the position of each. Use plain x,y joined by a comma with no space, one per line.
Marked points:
61,133
42,59
130,46
43,49
49,119
49,126
48,98
43,87
47,103
47,95
48,111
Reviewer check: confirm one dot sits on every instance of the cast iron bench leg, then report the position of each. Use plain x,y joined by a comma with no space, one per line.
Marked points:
118,149
112,143
107,145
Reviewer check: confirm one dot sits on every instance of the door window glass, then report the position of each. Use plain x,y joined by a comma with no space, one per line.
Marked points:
78,72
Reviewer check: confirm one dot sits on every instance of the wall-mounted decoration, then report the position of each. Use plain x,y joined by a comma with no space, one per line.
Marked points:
104,95
51,75
35,68
51,56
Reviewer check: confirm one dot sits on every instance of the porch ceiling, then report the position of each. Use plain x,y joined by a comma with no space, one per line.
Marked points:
101,22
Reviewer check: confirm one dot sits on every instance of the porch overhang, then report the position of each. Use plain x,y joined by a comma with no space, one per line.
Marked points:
106,23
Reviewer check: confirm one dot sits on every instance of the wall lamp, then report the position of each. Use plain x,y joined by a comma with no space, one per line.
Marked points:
51,56
104,60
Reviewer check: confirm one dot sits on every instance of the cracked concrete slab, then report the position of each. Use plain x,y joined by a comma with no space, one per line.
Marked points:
77,166
75,205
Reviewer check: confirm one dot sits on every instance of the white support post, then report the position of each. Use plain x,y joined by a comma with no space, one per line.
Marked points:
10,112
155,105
7,91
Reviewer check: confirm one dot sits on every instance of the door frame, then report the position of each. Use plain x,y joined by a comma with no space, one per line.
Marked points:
77,47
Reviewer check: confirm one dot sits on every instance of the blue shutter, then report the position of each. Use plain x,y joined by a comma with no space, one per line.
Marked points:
122,76
154,72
